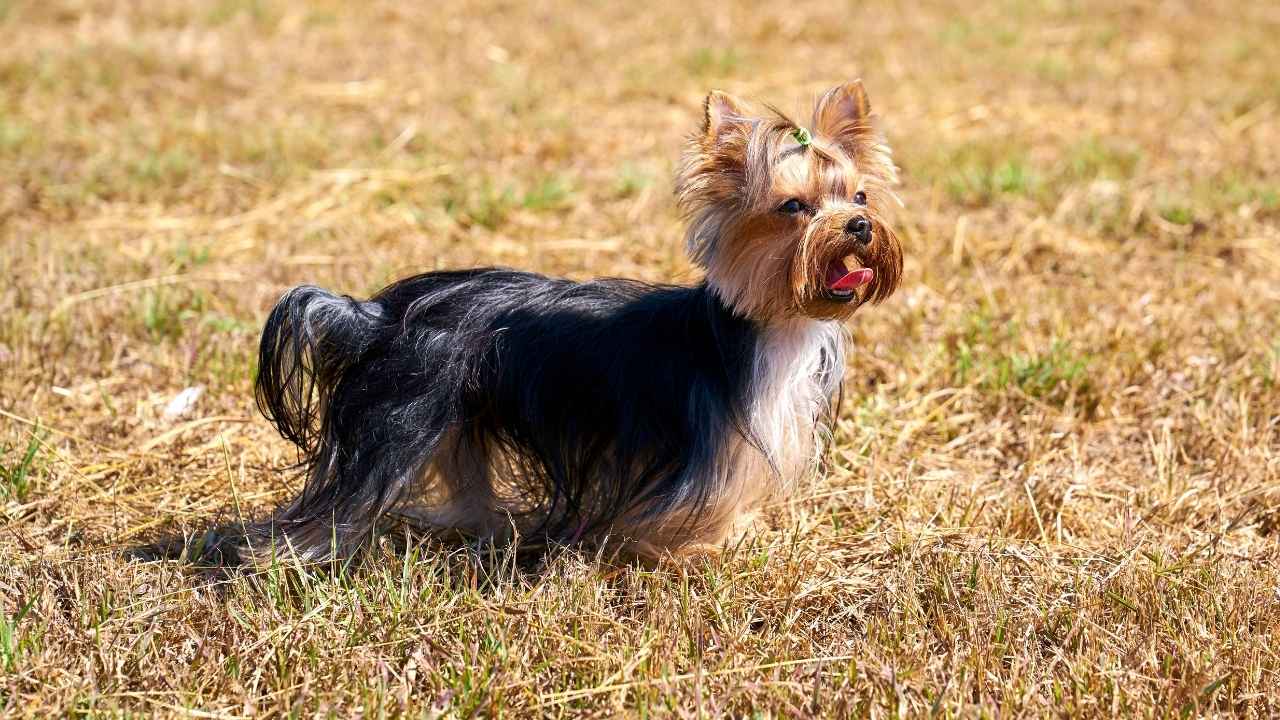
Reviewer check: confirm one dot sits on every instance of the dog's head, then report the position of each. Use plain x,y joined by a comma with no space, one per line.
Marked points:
790,221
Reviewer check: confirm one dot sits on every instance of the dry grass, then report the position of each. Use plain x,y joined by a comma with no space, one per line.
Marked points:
1057,481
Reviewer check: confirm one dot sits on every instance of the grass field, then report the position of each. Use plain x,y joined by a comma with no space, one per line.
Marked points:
1056,482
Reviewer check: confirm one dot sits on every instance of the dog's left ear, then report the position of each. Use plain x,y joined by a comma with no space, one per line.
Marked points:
843,114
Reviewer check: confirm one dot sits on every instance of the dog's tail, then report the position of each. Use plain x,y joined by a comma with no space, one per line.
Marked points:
310,340
313,342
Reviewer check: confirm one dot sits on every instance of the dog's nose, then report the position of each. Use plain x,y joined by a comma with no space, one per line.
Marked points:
860,229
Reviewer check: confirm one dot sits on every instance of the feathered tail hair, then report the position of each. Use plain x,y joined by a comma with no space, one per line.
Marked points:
311,341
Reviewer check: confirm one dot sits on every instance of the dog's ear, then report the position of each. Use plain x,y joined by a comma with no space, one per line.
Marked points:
723,115
713,171
843,114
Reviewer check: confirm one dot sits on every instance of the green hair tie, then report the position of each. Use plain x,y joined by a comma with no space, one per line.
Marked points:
802,136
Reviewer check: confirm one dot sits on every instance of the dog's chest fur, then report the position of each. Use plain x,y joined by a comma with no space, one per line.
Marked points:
796,377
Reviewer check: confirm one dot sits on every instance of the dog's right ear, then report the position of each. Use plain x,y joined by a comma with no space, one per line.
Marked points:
723,115
713,171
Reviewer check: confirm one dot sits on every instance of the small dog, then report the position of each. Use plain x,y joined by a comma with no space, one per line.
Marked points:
648,417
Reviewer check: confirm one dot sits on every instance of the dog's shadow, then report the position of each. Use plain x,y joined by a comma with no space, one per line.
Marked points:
215,556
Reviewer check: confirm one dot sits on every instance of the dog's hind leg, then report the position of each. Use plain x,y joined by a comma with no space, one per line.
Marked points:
459,493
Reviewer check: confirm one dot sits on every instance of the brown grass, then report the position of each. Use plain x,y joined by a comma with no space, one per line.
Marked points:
1056,487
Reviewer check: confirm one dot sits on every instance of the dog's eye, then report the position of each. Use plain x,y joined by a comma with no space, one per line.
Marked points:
860,198
792,206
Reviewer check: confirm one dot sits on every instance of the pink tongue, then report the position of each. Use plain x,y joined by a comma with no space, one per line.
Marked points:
849,280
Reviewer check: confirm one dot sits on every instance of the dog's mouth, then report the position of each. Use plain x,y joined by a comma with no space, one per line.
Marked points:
843,283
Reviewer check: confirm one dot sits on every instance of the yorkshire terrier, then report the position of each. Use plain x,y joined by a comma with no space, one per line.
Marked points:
506,404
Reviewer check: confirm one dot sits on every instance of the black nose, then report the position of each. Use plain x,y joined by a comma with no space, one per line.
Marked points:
860,229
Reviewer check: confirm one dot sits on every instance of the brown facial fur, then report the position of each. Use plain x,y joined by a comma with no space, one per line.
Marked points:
739,169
